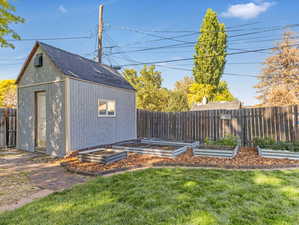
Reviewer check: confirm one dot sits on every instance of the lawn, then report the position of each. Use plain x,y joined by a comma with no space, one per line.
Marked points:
171,196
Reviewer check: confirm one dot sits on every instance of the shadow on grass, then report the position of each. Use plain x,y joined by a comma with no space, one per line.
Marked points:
171,196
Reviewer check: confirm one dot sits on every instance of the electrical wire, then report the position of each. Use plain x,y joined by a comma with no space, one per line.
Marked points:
51,39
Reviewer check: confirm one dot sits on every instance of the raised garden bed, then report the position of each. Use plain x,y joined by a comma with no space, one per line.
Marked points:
279,154
226,147
247,158
269,148
154,147
216,151
101,155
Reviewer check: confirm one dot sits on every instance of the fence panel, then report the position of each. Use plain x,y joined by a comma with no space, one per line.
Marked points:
280,123
8,127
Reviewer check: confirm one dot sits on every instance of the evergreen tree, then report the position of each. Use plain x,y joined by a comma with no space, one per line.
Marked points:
210,50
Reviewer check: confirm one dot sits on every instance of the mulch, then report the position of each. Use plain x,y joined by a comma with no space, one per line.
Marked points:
247,158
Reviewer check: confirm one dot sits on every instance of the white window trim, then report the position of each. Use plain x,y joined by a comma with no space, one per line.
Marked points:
106,100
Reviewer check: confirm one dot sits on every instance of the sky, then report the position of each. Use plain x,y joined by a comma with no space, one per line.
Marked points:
131,25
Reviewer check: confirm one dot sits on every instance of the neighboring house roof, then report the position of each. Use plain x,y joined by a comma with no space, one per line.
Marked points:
217,105
79,67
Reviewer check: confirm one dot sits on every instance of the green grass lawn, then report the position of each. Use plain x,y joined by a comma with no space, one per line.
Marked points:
169,197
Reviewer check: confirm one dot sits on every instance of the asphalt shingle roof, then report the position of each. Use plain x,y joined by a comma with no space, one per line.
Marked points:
85,69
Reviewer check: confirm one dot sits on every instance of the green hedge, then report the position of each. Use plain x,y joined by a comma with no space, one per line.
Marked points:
272,144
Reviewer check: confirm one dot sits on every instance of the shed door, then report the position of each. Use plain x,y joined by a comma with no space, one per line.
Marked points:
40,123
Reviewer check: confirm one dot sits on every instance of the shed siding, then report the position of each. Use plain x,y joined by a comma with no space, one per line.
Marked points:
86,128
47,73
55,98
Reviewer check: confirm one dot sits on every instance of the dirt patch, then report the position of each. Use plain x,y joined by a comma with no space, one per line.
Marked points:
247,157
14,187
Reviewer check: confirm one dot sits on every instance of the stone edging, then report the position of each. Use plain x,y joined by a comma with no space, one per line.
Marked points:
159,165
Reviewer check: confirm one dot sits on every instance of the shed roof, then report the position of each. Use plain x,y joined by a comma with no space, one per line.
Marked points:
79,67
217,105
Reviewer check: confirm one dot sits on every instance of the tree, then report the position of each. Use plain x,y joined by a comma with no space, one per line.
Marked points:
210,50
7,93
177,102
212,92
6,19
184,84
150,95
279,79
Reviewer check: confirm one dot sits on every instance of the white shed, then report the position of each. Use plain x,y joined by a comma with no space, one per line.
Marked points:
67,102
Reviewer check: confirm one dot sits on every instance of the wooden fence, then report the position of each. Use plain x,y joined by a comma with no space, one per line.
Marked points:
280,123
7,128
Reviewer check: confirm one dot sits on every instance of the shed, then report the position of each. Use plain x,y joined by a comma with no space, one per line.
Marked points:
67,102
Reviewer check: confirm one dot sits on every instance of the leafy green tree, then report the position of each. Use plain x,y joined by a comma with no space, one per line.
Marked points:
184,84
150,94
7,93
212,92
7,17
210,50
177,102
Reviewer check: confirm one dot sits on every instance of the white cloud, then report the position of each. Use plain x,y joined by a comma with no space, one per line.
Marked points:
62,9
247,10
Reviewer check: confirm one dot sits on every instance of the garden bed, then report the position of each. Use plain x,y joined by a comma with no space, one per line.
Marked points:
154,147
101,155
269,148
247,158
279,154
216,151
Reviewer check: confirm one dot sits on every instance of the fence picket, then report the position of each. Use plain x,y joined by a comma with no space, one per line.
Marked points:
280,123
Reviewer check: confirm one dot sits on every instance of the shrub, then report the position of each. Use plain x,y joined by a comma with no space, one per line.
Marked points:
272,144
263,142
226,141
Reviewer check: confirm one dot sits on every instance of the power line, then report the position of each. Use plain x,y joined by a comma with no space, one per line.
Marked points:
51,39
173,38
187,59
191,43
228,74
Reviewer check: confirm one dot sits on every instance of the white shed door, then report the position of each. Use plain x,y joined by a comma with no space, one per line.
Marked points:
41,122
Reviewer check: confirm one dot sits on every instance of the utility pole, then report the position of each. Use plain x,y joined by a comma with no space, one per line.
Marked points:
100,34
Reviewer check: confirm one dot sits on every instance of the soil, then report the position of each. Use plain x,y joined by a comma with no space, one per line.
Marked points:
216,147
247,157
106,152
141,145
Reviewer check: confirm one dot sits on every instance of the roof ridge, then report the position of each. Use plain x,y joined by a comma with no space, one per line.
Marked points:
75,54
75,65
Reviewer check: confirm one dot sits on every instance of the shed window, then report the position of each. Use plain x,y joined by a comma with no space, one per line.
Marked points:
106,107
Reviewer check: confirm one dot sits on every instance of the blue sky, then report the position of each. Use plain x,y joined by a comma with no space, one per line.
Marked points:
133,24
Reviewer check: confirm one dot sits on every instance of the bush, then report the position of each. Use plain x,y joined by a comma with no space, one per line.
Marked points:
272,144
230,141
263,142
